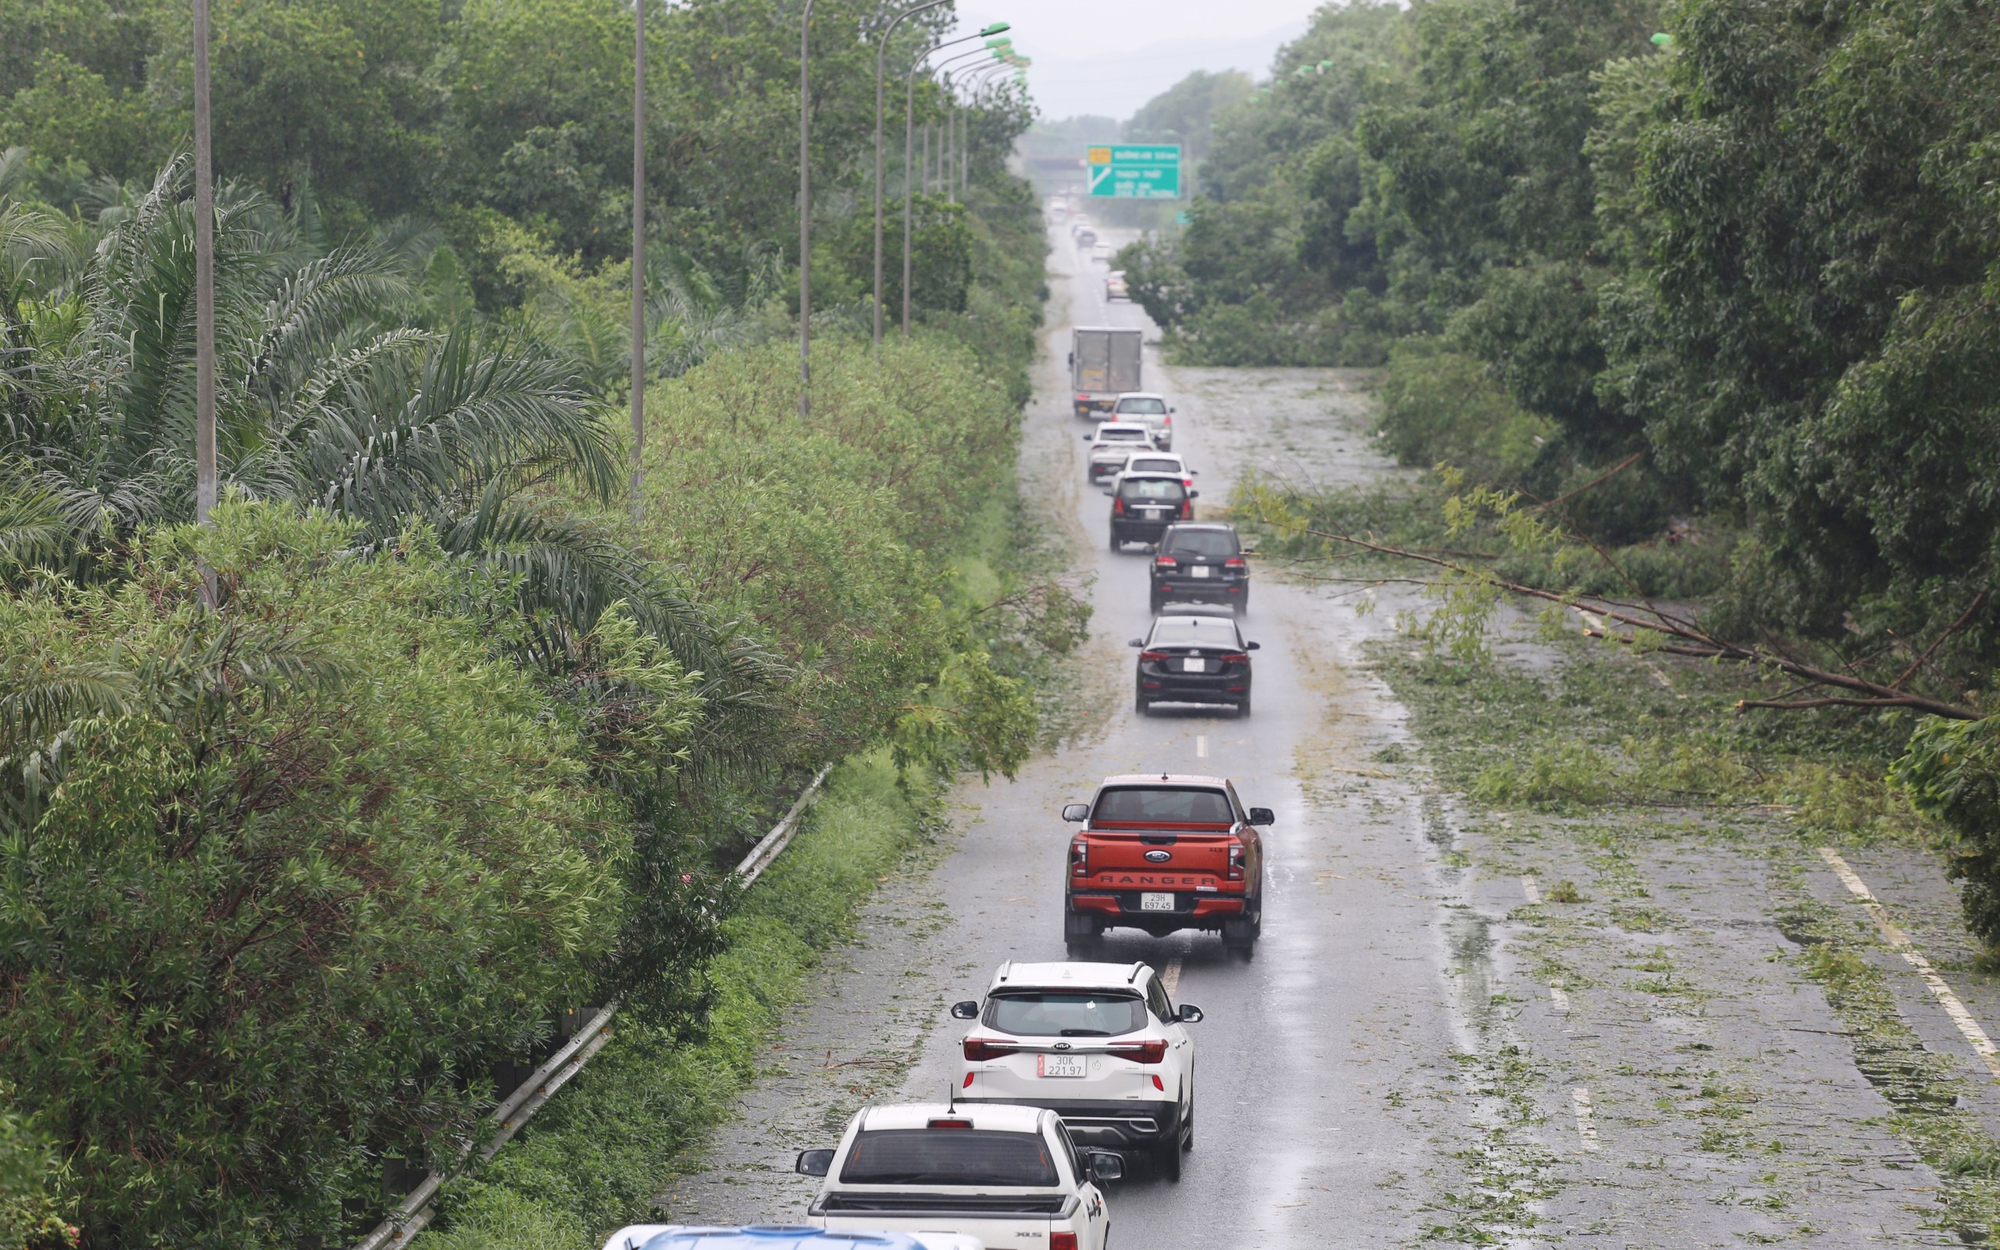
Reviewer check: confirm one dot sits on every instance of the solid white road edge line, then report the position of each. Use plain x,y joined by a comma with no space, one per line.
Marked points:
1899,942
1586,1128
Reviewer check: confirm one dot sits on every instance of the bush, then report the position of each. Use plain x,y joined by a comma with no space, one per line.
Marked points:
1439,406
1951,771
281,878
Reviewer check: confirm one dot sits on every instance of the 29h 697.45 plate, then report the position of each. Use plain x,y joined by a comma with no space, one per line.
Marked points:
1156,902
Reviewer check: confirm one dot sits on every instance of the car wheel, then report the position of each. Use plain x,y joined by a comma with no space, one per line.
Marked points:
1079,932
1142,705
1117,543
1155,601
1239,933
1243,606
1243,707
1167,1161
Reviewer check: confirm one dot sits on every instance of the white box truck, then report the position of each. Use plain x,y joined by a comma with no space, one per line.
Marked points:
1103,364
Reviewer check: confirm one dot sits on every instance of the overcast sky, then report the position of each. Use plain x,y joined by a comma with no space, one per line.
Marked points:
1111,56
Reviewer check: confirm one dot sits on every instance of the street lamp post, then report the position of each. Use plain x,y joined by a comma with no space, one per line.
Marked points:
638,255
881,48
205,490
805,218
909,112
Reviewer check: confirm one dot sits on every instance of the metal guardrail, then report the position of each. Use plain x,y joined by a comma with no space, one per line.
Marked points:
415,1211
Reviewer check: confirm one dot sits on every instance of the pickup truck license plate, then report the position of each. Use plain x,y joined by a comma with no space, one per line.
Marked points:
1156,902
1199,570
1193,666
1059,1065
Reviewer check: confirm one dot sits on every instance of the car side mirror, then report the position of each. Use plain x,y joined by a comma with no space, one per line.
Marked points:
814,1163
1189,1014
967,1010
1262,816
1074,812
1252,646
1194,494
1104,1166
1087,437
1172,409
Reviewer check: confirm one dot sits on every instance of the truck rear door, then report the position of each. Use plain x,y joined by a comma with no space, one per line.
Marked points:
1093,360
1124,361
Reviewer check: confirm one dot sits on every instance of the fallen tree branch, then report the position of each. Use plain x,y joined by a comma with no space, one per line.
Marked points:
1978,601
1706,645
1599,480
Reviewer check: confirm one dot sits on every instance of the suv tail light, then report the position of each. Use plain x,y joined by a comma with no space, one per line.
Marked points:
1187,509
1236,562
1082,396
1138,1052
1235,860
1062,1241
1118,507
979,1049
1165,562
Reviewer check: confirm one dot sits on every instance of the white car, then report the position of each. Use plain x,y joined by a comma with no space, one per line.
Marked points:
1010,1176
1148,461
1099,1044
1112,443
778,1237
1150,410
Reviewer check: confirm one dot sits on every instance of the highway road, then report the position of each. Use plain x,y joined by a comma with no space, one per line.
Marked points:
1387,1069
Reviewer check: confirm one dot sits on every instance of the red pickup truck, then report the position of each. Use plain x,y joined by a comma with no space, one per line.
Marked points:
1162,852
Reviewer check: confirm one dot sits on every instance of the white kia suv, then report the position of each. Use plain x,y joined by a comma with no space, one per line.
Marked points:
1099,1044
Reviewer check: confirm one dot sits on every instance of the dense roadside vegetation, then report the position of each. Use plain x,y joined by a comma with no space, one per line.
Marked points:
286,882
1696,300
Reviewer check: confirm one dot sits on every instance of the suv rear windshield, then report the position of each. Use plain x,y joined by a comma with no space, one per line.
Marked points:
1163,489
1201,543
1176,806
1150,407
1069,1014
948,1156
1152,464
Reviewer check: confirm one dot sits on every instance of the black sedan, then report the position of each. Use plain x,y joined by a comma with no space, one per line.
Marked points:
1145,504
1201,562
1194,654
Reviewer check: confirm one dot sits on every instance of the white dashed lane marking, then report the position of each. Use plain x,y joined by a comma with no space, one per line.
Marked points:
1201,746
1899,941
1559,999
1533,891
1586,1127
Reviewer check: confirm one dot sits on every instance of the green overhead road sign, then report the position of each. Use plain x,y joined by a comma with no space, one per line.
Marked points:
1135,171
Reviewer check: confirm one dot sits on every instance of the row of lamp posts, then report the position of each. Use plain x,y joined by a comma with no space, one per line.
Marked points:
999,49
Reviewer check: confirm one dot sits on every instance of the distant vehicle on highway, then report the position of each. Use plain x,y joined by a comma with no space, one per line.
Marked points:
1146,460
1150,408
778,1237
1086,237
1114,285
1010,1176
1110,445
1101,1045
1104,363
1145,504
1163,852
1194,653
1201,562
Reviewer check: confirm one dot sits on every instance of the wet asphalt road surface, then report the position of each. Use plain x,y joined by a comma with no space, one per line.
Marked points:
1392,1066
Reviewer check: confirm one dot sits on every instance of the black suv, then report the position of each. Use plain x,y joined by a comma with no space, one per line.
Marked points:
1201,562
1194,654
1145,504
